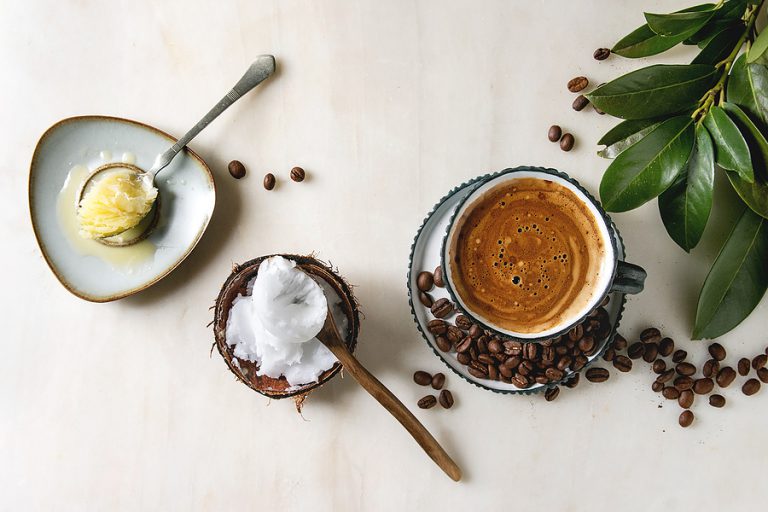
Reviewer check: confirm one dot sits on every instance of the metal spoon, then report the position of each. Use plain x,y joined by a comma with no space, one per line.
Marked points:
260,70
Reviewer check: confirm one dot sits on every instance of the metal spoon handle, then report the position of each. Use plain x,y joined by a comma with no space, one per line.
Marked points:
261,69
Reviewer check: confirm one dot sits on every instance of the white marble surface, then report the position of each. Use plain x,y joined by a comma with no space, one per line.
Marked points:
387,105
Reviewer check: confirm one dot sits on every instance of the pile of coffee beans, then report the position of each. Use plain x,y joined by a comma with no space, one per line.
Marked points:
237,170
437,381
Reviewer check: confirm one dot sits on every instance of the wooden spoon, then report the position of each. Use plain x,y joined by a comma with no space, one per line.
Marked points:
329,336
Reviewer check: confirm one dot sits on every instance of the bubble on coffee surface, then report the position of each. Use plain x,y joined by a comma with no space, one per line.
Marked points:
535,254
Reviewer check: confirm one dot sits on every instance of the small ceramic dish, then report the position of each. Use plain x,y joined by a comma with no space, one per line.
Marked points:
425,255
66,153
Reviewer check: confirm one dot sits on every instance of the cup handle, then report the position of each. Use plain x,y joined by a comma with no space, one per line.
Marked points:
629,278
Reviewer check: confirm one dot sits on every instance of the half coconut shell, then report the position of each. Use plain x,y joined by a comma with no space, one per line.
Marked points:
237,284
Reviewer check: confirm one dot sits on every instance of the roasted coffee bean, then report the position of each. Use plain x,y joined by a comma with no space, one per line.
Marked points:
666,375
578,83
513,348
422,378
269,181
530,351
298,174
579,362
475,372
486,359
751,387
650,335
636,350
666,347
442,308
622,363
426,299
482,344
565,361
759,361
437,275
679,356
506,371
425,281
683,382
601,54
513,361
567,142
427,402
438,380
443,343
547,356
587,344
620,342
685,399
717,401
670,393
657,386
464,345
446,399
717,351
725,376
576,333
236,169
597,375
686,369
454,334
554,133
551,393
475,331
525,367
659,366
580,102
495,346
573,381
463,322
703,386
609,354
743,366
463,358
554,374
437,326
762,374
710,368
651,351
520,381
686,418
473,353
493,372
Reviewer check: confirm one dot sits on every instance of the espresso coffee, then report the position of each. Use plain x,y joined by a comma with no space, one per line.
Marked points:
527,255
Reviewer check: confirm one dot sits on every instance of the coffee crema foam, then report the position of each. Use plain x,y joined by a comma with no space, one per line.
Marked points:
526,255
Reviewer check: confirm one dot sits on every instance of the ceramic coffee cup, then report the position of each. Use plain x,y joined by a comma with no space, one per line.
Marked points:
614,275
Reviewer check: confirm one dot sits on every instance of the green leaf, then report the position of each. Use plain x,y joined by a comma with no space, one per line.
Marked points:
748,86
649,167
678,23
738,278
644,42
685,206
759,47
654,91
754,194
729,14
613,150
624,129
732,152
720,46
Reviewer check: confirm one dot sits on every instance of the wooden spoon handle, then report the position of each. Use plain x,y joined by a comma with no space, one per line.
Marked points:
390,402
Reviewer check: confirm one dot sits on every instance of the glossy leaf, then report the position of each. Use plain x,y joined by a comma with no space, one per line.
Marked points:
731,150
738,278
679,23
624,129
748,87
644,42
727,15
720,46
754,194
613,150
685,206
759,47
649,167
654,91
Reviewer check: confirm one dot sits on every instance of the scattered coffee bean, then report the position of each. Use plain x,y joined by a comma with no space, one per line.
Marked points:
686,418
422,378
442,308
759,361
751,387
666,347
636,350
236,169
717,401
427,402
666,375
463,322
446,399
269,181
725,376
573,381
703,386
567,142
743,366
601,53
683,382
659,366
657,386
710,368
679,356
685,399
762,374
443,343
551,393
686,369
554,133
437,326
578,83
438,276
622,363
298,174
597,375
438,380
717,351
425,281
580,102
670,393
426,299
650,335
651,351
619,342
609,354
